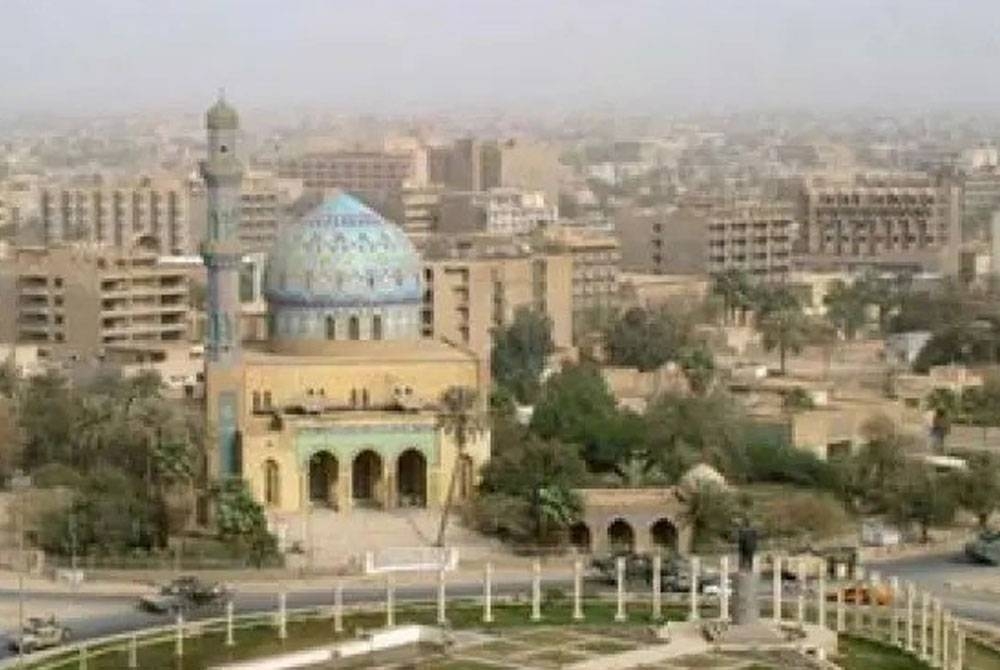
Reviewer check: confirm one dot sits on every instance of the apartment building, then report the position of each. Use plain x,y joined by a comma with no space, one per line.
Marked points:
899,222
473,285
118,214
470,164
596,260
756,237
497,211
980,198
84,299
356,171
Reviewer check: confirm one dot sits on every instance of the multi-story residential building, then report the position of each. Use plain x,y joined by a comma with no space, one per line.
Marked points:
475,284
901,222
663,240
84,299
756,237
266,202
980,198
498,211
118,214
596,263
359,172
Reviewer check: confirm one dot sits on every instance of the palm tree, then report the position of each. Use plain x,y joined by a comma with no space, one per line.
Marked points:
459,415
786,330
845,308
945,405
733,286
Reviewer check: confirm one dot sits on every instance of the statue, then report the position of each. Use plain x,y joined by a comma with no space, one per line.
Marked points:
746,538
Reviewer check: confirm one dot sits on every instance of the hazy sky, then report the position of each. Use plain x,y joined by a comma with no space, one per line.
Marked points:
394,55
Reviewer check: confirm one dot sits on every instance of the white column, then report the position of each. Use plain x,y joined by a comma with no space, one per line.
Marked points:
776,587
657,587
282,616
620,595
442,595
874,609
894,610
694,614
488,594
230,639
945,634
133,652
841,576
959,647
179,636
859,608
81,658
910,622
800,598
724,588
925,604
338,608
577,590
821,596
536,592
936,634
390,600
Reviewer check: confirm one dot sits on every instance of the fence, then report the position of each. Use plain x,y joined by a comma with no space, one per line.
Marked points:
863,604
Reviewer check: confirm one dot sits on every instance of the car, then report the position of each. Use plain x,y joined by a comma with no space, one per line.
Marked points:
985,549
863,594
184,593
40,634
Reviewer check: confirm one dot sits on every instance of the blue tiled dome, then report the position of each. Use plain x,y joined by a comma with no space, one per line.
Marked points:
343,254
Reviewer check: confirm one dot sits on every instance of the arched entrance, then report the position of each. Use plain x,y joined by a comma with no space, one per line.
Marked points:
663,535
579,537
621,537
366,478
323,470
411,479
272,483
466,477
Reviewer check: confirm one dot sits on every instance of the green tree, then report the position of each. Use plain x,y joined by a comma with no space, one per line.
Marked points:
682,431
240,521
709,510
980,487
846,308
46,415
785,329
878,461
734,288
646,339
917,495
460,416
520,351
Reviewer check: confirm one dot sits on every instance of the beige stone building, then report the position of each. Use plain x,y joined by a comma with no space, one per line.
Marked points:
84,300
596,260
664,240
354,171
497,211
119,214
474,285
756,237
897,222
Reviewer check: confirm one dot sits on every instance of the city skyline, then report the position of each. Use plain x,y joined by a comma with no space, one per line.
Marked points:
389,57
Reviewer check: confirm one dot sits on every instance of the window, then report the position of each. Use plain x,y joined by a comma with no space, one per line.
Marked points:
354,328
255,403
331,328
364,398
354,397
377,327
267,401
272,483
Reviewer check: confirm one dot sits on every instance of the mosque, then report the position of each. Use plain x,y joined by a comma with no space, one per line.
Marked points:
341,408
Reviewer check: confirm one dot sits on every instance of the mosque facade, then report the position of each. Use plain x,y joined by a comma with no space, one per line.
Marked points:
343,407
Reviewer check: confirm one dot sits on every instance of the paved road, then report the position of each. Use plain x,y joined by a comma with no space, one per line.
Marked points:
119,614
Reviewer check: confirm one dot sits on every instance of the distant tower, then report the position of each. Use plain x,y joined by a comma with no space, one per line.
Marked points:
220,249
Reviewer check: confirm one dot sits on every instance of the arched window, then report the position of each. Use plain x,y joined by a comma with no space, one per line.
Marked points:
377,327
331,328
267,401
354,397
255,403
364,398
354,328
272,483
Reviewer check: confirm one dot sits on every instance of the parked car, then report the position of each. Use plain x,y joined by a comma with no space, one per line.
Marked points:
184,593
39,634
864,594
985,549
